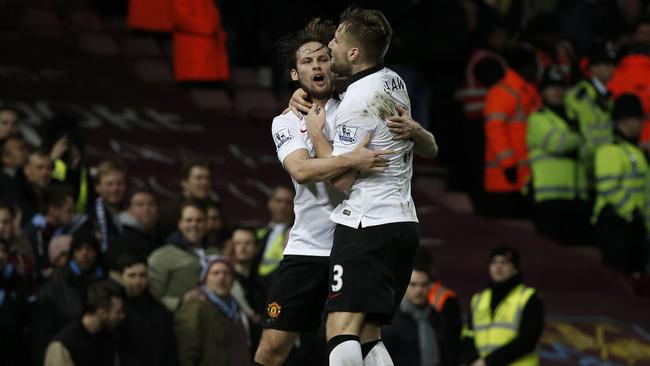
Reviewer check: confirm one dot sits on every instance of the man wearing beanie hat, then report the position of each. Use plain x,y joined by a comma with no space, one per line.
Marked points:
621,173
553,142
210,329
60,300
506,319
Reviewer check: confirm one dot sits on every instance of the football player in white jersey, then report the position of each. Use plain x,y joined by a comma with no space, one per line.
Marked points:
377,230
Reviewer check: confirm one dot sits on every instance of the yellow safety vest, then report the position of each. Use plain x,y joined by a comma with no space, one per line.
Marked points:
271,257
59,173
495,331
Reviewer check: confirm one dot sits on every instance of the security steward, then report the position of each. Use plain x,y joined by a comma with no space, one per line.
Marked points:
591,104
553,142
621,172
507,318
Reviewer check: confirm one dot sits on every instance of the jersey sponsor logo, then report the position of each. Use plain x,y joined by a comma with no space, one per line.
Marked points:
273,310
346,134
282,137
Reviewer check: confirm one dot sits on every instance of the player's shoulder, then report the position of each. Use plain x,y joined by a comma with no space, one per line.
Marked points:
285,120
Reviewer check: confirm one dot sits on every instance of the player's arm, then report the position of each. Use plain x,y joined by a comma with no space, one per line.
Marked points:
305,169
405,128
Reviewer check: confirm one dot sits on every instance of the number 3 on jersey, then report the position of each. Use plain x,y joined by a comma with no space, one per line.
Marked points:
337,278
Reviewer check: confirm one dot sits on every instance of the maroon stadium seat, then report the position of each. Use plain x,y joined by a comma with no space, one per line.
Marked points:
151,70
242,78
83,20
140,46
39,18
216,99
256,104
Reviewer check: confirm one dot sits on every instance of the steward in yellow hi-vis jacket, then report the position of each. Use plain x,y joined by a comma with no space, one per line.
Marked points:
591,104
621,173
553,142
507,318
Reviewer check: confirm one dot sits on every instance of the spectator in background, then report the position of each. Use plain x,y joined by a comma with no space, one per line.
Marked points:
507,334
87,340
485,67
110,187
138,224
32,186
146,335
13,306
200,53
632,75
8,122
67,147
445,302
218,231
245,289
195,185
272,237
20,250
553,141
10,126
415,336
591,104
507,106
13,153
60,301
56,219
59,251
621,172
210,329
174,268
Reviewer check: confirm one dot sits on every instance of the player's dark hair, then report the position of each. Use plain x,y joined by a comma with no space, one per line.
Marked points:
369,29
317,30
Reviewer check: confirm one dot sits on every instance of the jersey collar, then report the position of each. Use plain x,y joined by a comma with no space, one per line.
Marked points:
364,73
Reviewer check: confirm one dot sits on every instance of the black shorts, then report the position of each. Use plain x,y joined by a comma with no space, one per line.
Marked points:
370,269
298,294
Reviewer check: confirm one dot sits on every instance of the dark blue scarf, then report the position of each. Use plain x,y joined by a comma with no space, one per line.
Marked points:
231,310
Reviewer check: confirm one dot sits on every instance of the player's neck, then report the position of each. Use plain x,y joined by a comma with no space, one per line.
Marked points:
357,68
320,102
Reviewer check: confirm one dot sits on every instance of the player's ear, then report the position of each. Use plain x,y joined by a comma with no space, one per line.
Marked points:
294,74
353,54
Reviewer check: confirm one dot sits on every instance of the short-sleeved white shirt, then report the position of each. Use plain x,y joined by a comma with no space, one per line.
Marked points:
312,232
378,198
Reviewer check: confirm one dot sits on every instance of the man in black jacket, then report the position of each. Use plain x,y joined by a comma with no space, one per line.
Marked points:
146,335
61,299
417,337
518,308
137,222
13,302
88,341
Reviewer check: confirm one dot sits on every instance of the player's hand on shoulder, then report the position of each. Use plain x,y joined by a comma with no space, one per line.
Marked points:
315,118
299,103
366,160
403,126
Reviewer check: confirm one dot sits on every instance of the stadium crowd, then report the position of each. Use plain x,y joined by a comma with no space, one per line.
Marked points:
551,122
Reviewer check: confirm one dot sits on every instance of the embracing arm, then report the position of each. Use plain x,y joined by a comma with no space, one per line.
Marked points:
404,127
